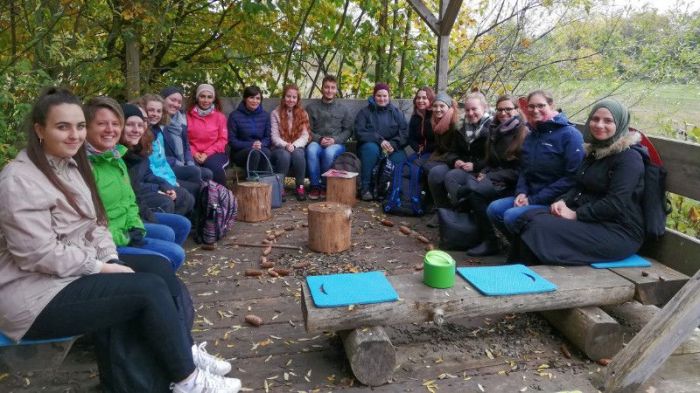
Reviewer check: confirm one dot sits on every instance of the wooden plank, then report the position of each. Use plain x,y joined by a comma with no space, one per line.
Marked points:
443,62
577,287
590,329
632,366
425,14
447,19
676,250
682,161
655,284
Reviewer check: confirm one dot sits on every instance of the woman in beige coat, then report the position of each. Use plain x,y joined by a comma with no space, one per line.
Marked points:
59,270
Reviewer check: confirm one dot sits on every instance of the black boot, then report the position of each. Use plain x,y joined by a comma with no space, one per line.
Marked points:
488,247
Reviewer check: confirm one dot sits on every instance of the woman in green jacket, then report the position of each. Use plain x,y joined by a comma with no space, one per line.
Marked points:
105,121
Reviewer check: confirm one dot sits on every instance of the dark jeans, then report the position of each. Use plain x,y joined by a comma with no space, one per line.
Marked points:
284,161
216,163
148,298
436,171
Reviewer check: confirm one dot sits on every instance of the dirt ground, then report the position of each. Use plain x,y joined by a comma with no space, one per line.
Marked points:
503,353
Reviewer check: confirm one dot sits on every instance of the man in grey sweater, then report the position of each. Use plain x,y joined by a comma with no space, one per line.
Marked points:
331,126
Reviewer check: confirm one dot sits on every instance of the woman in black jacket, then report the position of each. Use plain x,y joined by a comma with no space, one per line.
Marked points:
601,218
495,176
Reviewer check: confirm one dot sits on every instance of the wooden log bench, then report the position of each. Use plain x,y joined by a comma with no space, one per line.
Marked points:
364,338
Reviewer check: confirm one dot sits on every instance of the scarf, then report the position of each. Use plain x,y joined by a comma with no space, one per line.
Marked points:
473,132
440,126
94,152
204,112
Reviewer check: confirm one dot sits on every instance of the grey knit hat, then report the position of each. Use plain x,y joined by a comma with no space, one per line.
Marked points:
443,97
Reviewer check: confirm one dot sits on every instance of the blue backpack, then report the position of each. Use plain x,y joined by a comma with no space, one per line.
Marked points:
405,196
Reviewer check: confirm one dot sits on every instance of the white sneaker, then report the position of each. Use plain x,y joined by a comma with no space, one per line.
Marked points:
205,382
204,361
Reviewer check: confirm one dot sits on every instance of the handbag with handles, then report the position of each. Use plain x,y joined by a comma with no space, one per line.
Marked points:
276,180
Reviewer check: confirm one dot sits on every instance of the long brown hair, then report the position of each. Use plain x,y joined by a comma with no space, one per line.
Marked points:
54,96
300,119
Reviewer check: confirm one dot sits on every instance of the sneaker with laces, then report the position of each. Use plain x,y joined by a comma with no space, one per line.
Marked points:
205,361
366,195
301,194
315,193
206,382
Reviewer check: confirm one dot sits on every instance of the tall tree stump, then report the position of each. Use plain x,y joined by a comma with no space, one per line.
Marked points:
371,355
329,227
342,190
254,201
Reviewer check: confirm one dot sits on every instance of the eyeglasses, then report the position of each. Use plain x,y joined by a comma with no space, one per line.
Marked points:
538,106
504,110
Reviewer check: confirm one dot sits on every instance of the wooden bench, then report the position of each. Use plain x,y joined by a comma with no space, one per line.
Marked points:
581,290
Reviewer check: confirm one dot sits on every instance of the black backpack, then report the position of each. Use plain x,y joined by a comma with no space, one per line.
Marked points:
382,176
406,195
655,203
347,162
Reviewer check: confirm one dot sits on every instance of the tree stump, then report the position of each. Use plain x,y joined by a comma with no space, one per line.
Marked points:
329,227
342,190
254,201
590,329
371,355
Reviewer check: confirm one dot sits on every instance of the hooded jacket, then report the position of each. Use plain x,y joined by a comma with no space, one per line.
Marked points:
114,187
158,161
246,127
550,157
44,243
376,124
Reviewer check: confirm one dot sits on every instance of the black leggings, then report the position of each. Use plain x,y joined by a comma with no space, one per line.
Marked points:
150,298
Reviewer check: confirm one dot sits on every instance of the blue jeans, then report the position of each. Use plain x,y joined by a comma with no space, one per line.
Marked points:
503,214
369,157
163,246
179,226
319,159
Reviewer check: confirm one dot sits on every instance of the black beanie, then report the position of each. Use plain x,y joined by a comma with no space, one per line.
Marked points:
132,110
171,90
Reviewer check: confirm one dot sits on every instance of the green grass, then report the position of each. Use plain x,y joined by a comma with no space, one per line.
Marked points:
655,109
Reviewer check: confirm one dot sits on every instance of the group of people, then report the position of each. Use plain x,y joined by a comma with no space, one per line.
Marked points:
558,195
96,207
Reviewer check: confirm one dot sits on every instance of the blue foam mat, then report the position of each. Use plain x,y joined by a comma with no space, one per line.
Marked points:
505,280
337,290
633,261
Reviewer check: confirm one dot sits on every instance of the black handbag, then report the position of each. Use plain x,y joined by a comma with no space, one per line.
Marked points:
458,231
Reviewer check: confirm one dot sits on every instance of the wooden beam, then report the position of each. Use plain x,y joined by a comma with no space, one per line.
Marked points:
578,286
426,15
655,284
682,161
590,329
650,348
676,250
443,63
447,20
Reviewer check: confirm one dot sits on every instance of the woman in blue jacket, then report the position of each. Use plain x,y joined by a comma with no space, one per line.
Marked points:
380,126
549,159
249,129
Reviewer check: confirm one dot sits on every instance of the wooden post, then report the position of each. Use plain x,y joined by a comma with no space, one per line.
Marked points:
329,227
590,329
342,190
254,201
371,355
632,366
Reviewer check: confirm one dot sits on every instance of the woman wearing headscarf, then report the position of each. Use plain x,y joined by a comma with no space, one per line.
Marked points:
601,218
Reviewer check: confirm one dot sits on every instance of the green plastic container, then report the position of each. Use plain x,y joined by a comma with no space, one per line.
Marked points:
438,269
